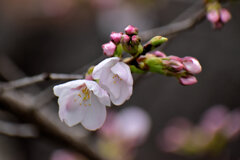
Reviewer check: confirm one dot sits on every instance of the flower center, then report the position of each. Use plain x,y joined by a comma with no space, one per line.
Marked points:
84,97
116,78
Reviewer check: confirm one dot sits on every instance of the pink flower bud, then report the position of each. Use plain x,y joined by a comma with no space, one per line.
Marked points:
109,48
192,65
131,30
125,39
213,16
116,37
159,54
225,15
173,65
188,80
175,58
136,40
176,65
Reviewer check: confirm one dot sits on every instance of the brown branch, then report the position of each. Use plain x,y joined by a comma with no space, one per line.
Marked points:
46,119
194,15
38,78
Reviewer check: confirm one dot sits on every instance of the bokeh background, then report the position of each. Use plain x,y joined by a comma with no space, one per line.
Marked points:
64,35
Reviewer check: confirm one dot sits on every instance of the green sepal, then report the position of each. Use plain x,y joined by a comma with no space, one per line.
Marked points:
119,50
157,41
154,65
134,69
140,49
133,50
90,70
154,43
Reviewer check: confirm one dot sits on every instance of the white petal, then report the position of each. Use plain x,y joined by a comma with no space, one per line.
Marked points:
123,71
70,110
125,94
105,64
95,116
99,92
113,88
58,89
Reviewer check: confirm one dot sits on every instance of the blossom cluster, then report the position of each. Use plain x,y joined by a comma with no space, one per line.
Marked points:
85,101
217,15
217,127
111,81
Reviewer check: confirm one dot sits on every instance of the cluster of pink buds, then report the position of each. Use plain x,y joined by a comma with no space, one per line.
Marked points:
217,127
128,41
217,15
182,68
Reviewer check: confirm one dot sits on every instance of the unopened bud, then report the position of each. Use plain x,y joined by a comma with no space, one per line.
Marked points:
125,39
159,54
192,65
131,30
173,65
154,63
154,43
225,15
188,80
109,48
213,16
130,46
116,37
175,58
136,40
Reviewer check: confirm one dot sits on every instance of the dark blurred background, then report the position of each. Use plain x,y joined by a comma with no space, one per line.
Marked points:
64,35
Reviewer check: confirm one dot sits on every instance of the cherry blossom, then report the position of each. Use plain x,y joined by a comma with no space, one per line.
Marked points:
82,101
116,78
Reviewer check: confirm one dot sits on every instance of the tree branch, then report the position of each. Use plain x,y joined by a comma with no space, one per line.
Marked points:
47,121
194,15
38,78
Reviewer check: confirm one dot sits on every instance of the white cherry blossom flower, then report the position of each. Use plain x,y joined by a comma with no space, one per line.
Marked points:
82,101
116,78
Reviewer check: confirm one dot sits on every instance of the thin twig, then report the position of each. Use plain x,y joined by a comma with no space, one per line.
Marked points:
38,78
194,14
181,23
47,120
